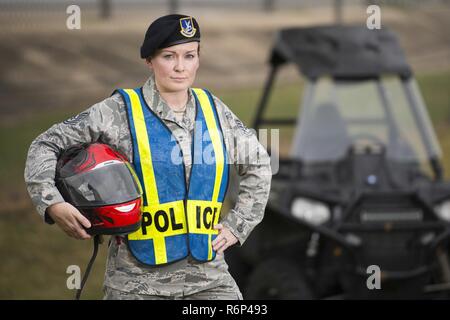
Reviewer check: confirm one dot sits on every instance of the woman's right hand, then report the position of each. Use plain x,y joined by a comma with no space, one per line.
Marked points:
70,220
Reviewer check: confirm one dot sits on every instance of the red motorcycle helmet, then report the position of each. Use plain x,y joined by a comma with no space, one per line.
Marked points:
103,186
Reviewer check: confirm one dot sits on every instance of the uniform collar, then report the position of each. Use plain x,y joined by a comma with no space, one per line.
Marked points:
161,108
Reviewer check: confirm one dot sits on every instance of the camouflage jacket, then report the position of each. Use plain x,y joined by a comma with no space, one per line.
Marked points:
107,122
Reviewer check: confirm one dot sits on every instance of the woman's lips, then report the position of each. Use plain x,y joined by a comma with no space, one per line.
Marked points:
179,79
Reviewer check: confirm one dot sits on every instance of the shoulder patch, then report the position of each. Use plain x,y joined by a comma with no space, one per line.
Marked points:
237,124
242,127
229,116
77,118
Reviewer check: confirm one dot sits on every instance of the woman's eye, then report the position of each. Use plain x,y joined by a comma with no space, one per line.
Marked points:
168,56
190,56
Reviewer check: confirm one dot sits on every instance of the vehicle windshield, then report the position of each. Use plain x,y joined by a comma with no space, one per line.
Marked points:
389,112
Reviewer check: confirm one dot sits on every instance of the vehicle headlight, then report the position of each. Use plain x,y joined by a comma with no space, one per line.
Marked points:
312,211
443,210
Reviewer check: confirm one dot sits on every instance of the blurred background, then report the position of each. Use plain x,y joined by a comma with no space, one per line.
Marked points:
49,73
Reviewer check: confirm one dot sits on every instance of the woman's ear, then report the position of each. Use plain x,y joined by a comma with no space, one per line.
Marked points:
148,61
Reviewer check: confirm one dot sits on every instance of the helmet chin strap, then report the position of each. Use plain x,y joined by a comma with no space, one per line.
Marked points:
89,266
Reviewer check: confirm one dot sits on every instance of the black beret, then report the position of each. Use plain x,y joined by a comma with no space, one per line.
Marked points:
167,31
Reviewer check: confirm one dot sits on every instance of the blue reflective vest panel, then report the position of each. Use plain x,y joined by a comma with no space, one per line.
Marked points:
177,219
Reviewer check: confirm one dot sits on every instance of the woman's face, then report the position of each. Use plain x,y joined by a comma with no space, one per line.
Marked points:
175,67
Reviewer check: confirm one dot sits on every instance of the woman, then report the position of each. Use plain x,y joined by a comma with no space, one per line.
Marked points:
169,131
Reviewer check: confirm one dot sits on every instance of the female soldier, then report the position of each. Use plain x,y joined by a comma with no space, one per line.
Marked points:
143,267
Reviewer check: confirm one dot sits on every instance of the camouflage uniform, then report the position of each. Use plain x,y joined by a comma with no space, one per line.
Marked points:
107,122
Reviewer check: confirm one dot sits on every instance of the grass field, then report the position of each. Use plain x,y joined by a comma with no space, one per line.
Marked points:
37,256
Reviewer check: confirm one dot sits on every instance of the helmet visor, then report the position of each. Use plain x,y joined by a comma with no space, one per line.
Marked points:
107,185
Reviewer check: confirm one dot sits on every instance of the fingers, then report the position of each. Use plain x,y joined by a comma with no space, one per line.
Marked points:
219,237
220,241
82,219
217,245
82,234
76,233
222,248
223,240
71,221
76,223
75,230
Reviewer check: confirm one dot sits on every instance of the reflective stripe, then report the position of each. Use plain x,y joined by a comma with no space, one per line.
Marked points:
160,221
202,216
143,147
166,216
202,203
215,139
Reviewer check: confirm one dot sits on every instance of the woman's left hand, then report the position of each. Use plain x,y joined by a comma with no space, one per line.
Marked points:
224,239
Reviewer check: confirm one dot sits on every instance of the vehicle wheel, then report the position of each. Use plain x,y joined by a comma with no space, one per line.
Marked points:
277,280
237,266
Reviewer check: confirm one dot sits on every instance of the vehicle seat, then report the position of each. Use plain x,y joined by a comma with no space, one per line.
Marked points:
325,137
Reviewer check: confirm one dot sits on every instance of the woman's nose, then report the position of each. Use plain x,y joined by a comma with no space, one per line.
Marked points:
179,65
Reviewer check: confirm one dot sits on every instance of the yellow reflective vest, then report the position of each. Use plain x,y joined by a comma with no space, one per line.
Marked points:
178,219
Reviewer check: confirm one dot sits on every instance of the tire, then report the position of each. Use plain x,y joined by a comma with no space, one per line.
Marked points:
277,280
237,266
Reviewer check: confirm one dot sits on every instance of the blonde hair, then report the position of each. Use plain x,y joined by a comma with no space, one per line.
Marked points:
148,59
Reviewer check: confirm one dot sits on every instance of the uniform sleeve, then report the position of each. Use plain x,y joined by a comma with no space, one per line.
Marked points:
99,122
252,164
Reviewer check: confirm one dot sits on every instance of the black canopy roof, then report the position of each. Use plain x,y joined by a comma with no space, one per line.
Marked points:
346,52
